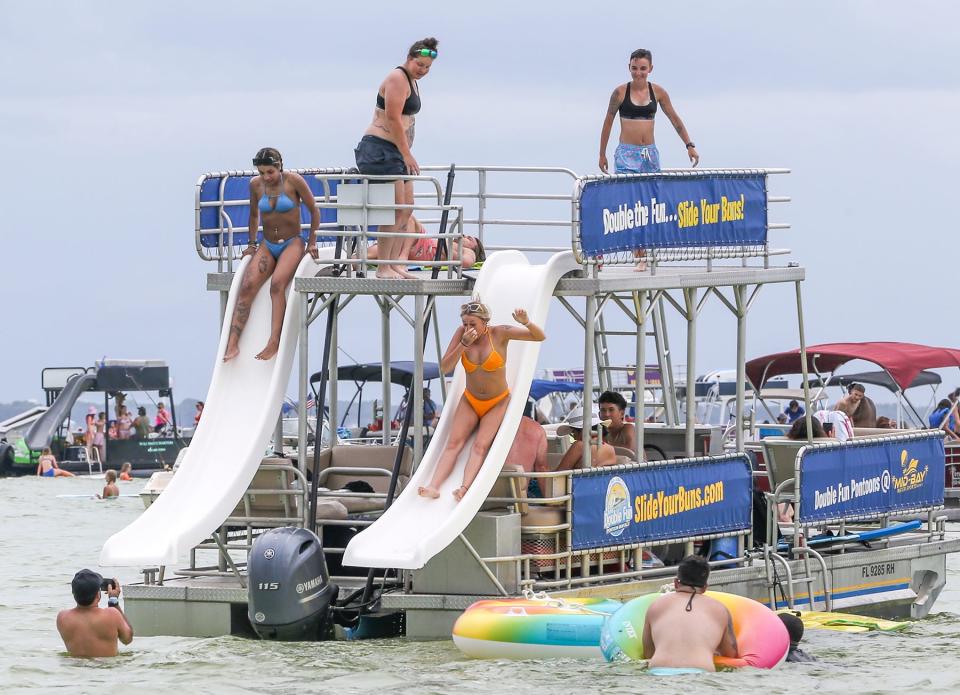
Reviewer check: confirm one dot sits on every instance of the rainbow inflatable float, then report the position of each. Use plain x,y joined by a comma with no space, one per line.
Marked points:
761,637
533,628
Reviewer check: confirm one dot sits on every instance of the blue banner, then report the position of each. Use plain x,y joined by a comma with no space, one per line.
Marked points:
644,503
652,212
871,478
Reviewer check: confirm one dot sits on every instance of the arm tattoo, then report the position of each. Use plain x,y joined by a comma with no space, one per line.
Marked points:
614,105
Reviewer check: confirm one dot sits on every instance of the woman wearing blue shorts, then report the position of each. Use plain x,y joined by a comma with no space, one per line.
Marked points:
275,196
636,103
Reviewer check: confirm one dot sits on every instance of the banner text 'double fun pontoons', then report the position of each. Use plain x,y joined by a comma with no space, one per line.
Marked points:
871,478
654,502
670,212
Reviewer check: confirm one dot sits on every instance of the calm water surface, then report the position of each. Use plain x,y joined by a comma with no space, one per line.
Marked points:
46,539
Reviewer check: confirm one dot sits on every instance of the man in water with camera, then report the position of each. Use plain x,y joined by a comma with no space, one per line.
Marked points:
88,630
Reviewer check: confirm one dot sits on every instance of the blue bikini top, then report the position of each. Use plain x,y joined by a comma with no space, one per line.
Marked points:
283,204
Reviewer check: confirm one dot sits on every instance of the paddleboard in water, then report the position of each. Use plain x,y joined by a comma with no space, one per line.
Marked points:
847,622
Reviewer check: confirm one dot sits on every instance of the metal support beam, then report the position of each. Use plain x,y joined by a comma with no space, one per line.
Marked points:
640,381
589,313
303,376
803,368
739,296
415,397
690,305
385,353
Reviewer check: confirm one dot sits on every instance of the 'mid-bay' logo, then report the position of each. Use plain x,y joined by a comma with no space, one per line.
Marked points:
911,475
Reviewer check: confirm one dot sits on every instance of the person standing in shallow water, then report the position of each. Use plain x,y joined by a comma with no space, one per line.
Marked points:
277,196
385,148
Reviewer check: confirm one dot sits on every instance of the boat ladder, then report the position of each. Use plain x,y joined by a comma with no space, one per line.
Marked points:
812,565
607,372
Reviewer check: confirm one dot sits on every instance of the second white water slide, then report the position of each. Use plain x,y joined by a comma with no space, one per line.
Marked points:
239,418
416,528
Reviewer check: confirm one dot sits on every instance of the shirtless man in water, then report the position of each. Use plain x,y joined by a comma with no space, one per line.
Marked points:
683,630
88,630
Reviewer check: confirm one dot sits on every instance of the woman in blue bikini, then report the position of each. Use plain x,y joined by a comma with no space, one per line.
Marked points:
277,197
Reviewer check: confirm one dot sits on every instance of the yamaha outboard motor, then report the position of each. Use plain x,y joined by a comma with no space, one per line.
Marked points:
289,594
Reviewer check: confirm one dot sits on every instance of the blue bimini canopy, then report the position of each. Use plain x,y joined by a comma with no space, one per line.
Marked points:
223,201
543,387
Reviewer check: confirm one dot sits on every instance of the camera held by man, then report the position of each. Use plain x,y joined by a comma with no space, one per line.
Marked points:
88,630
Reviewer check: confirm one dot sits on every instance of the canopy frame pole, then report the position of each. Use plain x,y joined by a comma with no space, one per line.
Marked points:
805,372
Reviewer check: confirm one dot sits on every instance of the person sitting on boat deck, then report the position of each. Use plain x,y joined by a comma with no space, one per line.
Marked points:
684,629
612,408
385,148
141,423
795,629
482,350
794,411
836,423
88,630
601,453
886,423
278,197
798,430
426,249
859,407
125,470
637,152
198,414
944,418
110,489
47,466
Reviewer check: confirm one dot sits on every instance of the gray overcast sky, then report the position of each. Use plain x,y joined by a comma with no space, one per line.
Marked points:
109,111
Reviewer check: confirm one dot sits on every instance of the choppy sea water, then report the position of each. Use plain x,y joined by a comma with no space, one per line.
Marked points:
46,539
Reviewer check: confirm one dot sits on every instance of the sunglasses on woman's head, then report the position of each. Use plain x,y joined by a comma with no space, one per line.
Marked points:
471,307
426,53
266,162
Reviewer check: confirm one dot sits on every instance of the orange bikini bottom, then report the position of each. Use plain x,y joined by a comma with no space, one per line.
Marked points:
482,407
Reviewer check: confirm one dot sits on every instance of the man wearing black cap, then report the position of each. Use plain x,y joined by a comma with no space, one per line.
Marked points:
89,630
684,629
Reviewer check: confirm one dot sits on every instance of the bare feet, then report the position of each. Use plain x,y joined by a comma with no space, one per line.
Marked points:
460,492
430,492
641,257
405,274
270,351
230,353
387,272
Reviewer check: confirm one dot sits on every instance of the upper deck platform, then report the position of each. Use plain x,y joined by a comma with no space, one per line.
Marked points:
694,228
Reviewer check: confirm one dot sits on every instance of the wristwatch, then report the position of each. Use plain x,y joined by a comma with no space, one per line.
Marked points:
690,144
113,602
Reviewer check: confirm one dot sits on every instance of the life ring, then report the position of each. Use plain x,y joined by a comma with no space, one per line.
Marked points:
533,628
762,639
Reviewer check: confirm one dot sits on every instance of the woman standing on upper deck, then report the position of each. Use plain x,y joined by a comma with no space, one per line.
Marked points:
278,197
482,350
636,102
385,147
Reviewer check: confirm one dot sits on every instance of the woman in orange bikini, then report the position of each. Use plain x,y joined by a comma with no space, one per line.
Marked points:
481,349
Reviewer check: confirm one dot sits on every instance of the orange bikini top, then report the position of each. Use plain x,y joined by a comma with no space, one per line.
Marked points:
493,362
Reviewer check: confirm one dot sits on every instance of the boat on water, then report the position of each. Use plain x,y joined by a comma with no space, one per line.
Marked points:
51,426
403,564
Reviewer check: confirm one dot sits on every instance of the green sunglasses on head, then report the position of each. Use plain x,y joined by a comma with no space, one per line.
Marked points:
426,53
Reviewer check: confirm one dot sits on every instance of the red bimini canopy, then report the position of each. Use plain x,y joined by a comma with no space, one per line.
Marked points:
903,361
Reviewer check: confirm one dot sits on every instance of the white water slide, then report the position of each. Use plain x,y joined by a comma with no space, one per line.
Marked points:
239,418
415,528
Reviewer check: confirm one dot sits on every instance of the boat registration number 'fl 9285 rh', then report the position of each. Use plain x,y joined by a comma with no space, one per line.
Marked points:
879,570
